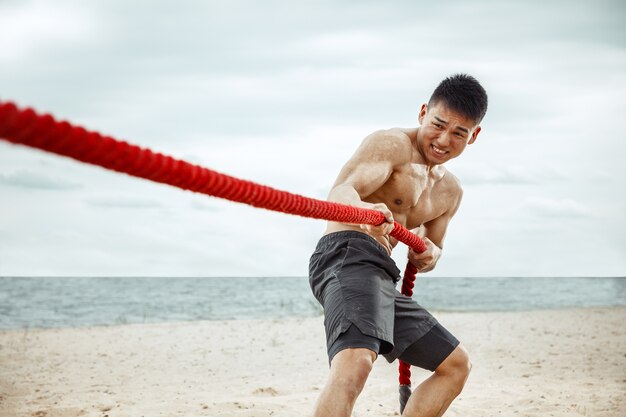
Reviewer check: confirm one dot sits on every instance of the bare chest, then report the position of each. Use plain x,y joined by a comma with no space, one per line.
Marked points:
411,194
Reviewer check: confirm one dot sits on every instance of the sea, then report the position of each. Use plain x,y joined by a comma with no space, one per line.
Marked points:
60,302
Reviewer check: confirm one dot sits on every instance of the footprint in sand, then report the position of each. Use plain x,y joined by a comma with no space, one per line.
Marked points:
266,391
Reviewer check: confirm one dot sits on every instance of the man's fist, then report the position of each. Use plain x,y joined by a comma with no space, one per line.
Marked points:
382,229
426,260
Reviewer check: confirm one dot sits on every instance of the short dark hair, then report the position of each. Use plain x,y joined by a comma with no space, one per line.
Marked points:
462,93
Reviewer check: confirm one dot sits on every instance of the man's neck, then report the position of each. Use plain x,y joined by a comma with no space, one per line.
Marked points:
419,157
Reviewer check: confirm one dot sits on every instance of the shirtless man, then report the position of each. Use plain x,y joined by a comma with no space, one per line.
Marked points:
398,172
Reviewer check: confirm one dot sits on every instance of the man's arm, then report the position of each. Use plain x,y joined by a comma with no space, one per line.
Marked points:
367,170
433,234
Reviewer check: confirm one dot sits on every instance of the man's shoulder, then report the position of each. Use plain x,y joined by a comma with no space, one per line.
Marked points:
394,142
449,182
394,134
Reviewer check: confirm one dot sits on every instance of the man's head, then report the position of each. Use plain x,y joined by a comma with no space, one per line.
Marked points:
450,121
463,94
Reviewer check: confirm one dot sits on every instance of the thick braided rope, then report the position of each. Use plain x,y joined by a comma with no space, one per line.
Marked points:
404,369
26,127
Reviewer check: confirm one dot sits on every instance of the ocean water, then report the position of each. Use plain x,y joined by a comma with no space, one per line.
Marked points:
45,302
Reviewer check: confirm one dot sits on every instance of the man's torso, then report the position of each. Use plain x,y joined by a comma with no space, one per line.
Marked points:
414,194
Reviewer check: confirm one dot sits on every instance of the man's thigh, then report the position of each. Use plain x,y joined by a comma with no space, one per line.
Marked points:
432,349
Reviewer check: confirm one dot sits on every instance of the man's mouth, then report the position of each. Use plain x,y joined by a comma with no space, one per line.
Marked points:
438,151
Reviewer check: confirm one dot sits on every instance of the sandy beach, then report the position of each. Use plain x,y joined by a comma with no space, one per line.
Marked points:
540,363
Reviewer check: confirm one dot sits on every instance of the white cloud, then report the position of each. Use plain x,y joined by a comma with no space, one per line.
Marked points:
286,103
503,173
27,179
37,27
558,208
123,203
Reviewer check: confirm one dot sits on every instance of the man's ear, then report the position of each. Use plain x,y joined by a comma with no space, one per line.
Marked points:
423,112
474,135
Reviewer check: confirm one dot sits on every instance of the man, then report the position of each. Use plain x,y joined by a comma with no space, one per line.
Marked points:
398,172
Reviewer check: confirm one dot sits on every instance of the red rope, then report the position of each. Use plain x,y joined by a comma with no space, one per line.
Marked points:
26,127
404,368
408,282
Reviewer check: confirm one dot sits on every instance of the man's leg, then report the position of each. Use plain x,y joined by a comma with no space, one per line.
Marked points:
433,396
349,370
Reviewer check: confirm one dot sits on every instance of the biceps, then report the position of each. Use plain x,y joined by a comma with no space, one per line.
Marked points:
364,177
436,229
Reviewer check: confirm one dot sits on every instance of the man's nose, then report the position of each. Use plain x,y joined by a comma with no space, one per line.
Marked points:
443,139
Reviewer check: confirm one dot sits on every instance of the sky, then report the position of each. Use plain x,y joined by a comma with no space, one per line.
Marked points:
282,93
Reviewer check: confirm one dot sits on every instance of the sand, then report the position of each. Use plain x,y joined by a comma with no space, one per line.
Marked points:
541,363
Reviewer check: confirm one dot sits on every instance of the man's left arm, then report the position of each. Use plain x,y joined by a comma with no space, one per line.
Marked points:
433,234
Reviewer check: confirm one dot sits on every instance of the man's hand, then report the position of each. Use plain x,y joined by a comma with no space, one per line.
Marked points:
426,260
384,228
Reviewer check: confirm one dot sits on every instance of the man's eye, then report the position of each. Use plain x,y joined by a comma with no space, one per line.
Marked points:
437,125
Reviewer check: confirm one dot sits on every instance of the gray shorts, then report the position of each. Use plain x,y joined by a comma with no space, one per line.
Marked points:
354,279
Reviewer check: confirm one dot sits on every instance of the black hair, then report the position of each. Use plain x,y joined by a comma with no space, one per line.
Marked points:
462,93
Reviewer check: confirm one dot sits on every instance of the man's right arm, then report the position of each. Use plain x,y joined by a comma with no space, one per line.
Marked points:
369,168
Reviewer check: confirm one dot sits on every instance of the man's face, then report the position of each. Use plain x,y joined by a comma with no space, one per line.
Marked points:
444,133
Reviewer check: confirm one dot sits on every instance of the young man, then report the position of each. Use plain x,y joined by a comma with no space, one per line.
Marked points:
398,172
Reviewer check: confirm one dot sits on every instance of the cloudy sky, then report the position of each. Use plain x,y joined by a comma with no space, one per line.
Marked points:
282,93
